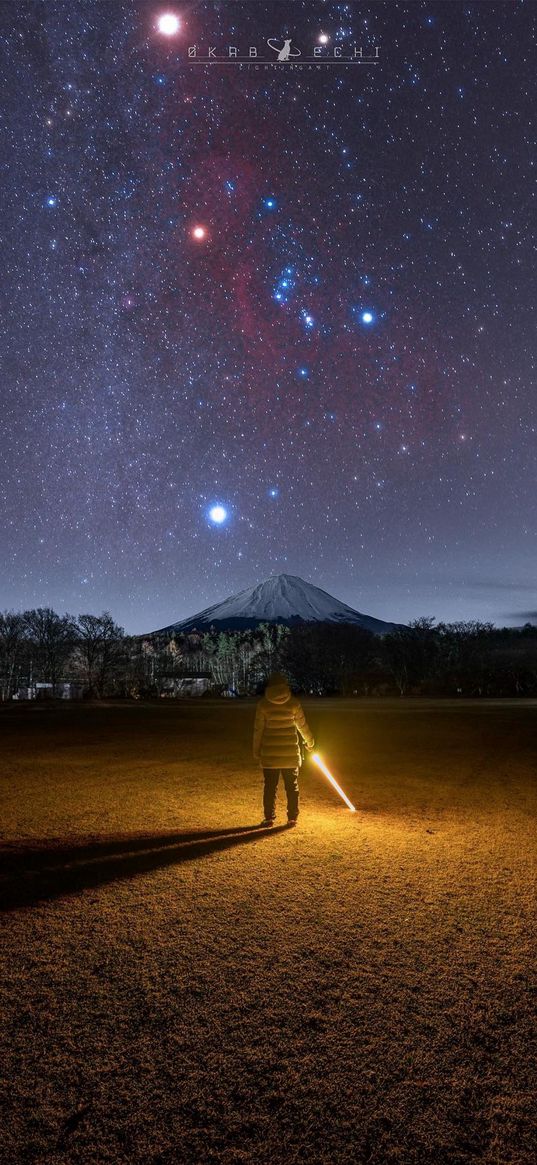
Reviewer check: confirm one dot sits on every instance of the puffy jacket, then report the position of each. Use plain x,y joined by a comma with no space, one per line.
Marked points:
278,721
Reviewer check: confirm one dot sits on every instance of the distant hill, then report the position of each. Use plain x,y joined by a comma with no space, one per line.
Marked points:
284,599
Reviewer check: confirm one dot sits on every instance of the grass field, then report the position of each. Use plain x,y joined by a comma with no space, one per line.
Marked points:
183,987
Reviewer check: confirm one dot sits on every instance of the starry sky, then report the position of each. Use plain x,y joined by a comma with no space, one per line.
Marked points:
263,316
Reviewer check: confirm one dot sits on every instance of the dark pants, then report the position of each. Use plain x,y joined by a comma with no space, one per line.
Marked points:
290,777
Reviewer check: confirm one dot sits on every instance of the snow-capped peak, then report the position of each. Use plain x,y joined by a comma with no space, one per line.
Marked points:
284,598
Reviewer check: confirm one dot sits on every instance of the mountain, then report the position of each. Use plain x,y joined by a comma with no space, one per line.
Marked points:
284,598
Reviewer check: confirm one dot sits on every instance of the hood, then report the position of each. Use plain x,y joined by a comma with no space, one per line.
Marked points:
277,689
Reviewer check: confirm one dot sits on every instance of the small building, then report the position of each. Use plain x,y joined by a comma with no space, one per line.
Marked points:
43,691
193,684
64,690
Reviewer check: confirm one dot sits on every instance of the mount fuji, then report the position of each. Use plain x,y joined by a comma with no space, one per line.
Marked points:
285,599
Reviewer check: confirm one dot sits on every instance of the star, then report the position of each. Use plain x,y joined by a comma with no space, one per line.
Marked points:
168,24
199,233
218,514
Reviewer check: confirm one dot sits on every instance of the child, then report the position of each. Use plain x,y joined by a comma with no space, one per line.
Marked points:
279,724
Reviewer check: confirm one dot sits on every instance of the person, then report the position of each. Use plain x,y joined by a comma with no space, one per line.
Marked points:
279,726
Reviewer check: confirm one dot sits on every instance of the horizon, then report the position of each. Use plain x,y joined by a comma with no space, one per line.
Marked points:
218,599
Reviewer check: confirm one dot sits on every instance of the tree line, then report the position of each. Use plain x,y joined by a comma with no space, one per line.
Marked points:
93,653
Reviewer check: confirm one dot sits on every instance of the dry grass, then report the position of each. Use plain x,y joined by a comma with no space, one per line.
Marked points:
182,988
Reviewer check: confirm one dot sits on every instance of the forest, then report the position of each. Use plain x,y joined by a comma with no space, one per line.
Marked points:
47,655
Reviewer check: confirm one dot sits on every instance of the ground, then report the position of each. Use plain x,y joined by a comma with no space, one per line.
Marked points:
183,988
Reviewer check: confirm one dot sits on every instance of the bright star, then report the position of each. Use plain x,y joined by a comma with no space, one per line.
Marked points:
323,38
273,493
218,514
168,24
52,201
367,317
199,233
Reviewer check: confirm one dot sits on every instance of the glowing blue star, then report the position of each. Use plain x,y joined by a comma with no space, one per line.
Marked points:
285,286
217,514
367,317
52,200
273,493
303,372
270,203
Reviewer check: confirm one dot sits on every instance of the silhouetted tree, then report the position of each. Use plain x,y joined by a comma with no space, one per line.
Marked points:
52,638
411,653
100,650
328,657
11,644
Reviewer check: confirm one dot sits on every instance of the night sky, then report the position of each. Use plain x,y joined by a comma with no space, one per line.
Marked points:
296,297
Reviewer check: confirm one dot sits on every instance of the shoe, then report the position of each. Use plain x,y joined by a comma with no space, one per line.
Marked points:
291,821
267,822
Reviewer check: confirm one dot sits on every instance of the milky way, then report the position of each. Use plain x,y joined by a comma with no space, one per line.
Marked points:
269,317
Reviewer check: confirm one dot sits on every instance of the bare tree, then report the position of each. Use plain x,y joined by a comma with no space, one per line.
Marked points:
410,653
99,649
11,641
52,637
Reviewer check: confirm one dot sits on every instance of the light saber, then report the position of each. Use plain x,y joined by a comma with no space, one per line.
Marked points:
321,765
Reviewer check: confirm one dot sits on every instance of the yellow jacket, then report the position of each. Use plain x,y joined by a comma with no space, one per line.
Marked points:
279,720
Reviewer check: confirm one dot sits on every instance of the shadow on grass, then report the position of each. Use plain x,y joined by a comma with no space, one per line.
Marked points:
36,874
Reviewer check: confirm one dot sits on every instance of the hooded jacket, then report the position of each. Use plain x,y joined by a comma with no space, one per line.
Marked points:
279,720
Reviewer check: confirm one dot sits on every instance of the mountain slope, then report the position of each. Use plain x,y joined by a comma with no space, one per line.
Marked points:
285,599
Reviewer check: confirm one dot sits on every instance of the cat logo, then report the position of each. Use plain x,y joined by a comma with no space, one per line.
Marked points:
285,53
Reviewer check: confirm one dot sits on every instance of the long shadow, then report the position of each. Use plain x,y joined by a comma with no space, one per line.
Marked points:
24,885
52,852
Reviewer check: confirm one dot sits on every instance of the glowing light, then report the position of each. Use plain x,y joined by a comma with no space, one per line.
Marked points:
168,24
321,765
323,38
218,514
199,233
367,317
52,201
